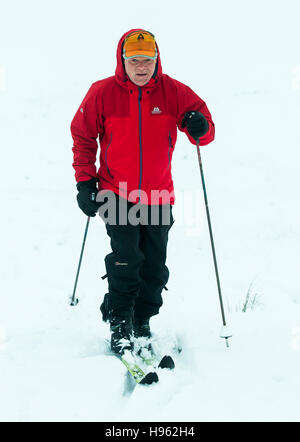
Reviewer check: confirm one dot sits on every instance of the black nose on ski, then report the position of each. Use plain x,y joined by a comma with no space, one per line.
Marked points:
150,378
167,362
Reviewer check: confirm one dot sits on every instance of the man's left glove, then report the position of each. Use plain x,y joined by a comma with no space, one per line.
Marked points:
196,124
86,197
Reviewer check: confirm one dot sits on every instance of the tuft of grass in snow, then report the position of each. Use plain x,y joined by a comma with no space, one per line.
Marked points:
251,301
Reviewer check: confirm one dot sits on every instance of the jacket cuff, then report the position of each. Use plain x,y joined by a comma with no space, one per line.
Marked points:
90,183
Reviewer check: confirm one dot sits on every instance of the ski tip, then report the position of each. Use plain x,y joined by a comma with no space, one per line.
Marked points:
167,362
149,379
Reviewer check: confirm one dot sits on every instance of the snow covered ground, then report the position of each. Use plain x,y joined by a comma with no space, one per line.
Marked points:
243,59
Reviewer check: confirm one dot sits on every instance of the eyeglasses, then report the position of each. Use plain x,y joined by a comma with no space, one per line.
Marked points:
139,44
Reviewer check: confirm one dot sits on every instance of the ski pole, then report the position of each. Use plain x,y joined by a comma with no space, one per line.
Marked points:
74,301
224,332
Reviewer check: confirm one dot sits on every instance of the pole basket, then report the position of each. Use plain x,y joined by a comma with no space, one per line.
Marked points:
73,302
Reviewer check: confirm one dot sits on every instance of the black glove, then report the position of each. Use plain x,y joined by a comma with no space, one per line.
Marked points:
196,124
86,197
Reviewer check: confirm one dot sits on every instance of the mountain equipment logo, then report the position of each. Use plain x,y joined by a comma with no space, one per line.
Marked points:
156,111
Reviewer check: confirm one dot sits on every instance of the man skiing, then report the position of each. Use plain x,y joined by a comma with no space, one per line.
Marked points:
135,114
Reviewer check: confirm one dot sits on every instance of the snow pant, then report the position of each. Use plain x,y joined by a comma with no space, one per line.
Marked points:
136,268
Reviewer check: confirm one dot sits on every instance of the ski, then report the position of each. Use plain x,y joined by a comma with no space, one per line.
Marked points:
149,357
133,368
140,377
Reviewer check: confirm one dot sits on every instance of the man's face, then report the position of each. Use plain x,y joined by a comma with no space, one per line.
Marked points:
140,69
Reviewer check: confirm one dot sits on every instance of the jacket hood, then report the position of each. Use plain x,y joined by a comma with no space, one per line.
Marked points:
120,73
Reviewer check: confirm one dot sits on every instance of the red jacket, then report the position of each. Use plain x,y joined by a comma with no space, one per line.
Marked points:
137,130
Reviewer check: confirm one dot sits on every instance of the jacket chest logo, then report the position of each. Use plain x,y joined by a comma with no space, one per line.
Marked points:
156,111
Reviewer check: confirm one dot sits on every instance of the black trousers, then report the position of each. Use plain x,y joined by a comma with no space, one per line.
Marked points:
136,267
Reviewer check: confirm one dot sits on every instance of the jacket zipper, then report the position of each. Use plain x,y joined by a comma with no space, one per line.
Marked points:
106,156
140,143
169,150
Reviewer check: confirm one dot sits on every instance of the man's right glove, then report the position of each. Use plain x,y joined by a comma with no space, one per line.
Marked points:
86,197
